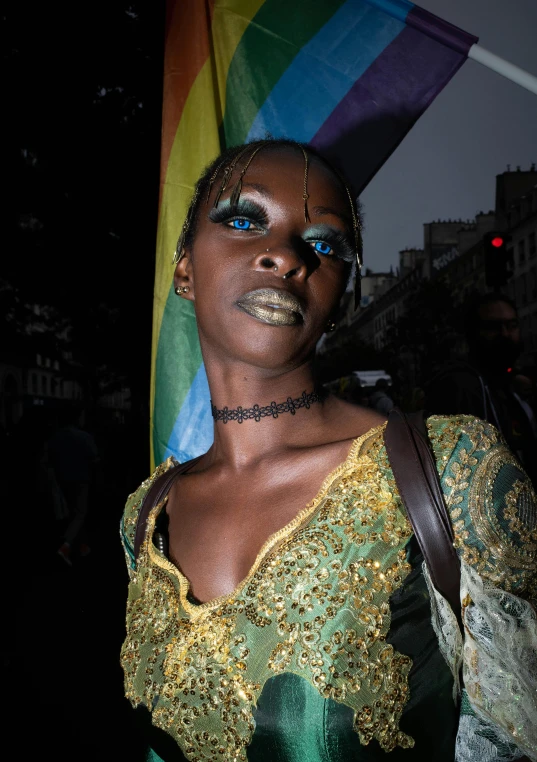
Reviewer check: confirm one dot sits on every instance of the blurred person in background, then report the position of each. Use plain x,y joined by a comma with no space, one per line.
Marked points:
524,391
72,458
483,385
380,400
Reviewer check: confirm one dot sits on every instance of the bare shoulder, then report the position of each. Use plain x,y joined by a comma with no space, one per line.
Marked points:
350,421
331,437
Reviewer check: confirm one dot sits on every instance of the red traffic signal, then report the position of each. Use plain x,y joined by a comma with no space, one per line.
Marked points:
498,267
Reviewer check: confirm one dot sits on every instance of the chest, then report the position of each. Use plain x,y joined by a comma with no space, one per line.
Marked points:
217,531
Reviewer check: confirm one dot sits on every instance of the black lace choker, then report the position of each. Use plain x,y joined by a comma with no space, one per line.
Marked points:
257,412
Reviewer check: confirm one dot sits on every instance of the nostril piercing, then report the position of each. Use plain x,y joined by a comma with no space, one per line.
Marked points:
290,273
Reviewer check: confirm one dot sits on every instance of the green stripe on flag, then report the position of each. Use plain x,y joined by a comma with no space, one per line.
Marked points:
266,50
178,361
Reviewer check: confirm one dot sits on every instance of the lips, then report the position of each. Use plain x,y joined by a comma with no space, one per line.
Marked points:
272,306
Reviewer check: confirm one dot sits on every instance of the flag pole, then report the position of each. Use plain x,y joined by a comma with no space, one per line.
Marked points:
503,67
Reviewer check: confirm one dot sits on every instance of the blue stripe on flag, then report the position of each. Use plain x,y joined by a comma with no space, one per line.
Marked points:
399,9
192,432
354,37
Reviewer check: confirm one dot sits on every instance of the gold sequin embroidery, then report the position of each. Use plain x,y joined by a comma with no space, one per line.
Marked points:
519,513
485,516
499,540
315,603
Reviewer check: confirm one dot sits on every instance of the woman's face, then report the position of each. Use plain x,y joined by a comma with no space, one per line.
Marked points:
263,280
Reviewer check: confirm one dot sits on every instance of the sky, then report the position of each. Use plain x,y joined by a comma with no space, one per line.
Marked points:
446,166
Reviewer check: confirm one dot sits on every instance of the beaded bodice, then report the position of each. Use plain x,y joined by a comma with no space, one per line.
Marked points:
316,604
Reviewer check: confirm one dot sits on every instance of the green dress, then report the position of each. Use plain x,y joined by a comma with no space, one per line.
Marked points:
336,647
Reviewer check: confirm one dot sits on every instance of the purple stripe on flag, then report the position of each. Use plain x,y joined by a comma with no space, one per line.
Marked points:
441,30
369,123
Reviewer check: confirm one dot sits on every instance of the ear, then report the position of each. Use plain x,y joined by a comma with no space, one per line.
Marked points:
183,276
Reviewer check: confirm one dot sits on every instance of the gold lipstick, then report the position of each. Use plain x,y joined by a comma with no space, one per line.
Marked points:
272,306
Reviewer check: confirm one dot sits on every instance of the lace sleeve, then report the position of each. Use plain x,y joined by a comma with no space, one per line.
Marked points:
499,670
494,514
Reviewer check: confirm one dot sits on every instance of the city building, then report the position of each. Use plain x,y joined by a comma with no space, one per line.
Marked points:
38,371
522,286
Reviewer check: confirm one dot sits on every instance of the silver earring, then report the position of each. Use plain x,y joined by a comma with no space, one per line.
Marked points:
330,326
182,290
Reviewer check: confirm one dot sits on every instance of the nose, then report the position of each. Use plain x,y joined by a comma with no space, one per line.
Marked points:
285,261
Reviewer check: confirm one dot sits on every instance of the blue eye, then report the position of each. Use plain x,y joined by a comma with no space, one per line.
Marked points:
241,224
322,247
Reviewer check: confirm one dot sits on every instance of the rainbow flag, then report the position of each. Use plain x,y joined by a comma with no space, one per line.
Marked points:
349,76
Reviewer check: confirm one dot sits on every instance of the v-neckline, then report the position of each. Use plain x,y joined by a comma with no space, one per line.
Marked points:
196,610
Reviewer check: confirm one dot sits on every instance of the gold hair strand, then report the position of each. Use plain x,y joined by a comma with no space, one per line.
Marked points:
228,172
305,194
180,248
211,181
222,186
235,194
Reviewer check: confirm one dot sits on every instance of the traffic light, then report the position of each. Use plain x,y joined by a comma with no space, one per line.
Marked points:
498,264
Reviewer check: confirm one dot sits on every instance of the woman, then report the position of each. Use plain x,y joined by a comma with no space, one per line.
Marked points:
288,616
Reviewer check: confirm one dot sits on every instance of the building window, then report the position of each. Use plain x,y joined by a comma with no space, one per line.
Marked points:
34,383
533,334
511,290
43,384
532,284
532,246
523,291
521,251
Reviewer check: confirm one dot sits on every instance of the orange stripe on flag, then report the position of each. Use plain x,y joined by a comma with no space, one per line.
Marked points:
185,53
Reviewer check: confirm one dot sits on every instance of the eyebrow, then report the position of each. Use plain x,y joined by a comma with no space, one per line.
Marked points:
320,210
326,210
262,189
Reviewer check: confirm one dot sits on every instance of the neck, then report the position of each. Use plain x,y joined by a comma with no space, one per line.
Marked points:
239,444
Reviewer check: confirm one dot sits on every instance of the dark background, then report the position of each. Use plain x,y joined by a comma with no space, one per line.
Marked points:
82,117
83,105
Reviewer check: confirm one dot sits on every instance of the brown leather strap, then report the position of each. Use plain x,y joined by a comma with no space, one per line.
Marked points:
155,495
417,480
